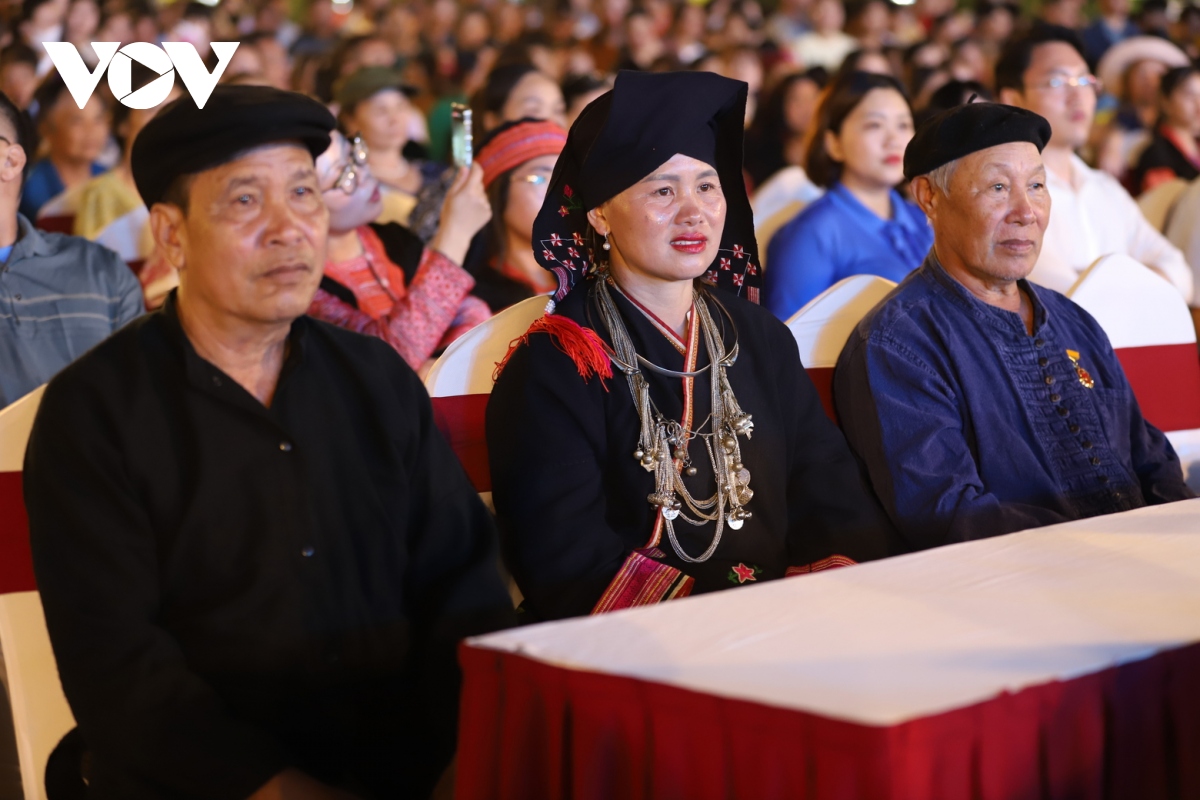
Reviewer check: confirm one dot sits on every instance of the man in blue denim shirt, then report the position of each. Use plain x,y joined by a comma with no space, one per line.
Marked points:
980,403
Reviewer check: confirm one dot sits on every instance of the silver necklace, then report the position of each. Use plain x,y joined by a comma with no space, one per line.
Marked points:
663,444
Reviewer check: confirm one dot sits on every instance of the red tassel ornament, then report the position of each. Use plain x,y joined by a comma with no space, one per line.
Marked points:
582,345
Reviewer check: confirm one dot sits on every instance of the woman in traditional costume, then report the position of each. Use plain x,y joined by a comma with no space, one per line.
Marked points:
655,435
518,159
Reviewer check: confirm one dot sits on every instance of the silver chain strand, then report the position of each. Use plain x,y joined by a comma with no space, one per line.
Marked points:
663,444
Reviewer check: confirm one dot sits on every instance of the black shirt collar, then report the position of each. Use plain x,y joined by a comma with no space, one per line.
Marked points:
208,377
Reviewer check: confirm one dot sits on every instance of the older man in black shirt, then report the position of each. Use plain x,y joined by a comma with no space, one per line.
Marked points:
255,552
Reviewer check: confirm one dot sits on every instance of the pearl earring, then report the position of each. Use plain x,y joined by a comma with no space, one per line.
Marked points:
606,245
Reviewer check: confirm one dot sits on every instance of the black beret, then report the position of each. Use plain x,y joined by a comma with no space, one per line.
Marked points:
967,129
183,139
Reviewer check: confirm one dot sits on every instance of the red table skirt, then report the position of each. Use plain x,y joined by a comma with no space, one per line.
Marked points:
530,730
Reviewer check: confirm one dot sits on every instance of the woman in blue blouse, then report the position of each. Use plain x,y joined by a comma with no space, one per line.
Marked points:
862,225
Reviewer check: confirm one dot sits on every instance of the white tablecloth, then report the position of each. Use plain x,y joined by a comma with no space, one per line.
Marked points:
915,635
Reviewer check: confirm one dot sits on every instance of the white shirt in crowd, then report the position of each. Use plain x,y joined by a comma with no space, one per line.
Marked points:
1093,216
814,49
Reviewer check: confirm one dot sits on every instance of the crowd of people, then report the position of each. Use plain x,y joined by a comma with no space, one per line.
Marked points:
256,552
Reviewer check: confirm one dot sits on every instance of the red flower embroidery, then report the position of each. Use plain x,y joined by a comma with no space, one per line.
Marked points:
724,263
711,276
744,573
572,252
570,263
737,280
751,269
546,254
555,240
578,239
738,252
562,211
568,191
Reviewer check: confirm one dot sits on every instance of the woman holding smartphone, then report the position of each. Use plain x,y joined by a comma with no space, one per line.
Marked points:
381,280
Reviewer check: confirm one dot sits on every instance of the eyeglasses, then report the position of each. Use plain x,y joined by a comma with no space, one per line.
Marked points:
1058,83
536,178
347,179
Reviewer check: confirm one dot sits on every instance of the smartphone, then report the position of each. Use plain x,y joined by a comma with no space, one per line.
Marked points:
460,135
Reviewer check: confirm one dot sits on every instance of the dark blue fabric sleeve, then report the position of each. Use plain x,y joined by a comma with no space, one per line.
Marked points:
904,421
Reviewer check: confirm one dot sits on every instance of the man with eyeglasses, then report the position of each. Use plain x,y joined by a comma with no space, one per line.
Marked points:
381,279
255,551
59,295
1045,72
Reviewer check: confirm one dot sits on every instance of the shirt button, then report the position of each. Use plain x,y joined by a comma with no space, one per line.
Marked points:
1073,428
1043,361
1049,380
285,447
1039,343
1095,461
1087,445
1054,398
308,551
1063,412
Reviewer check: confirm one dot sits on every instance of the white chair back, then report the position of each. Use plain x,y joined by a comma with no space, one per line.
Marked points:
40,713
823,325
1150,328
460,381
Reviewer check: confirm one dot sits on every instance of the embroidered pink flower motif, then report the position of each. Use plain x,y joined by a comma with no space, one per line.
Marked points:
578,239
570,263
738,252
555,240
572,252
546,254
724,263
711,276
568,191
737,280
751,269
744,573
562,211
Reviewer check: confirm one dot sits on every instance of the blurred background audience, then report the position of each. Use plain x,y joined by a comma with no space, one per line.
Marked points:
1124,103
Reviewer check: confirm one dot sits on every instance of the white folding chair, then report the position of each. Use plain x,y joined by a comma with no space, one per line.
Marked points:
40,713
460,381
1151,331
823,326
